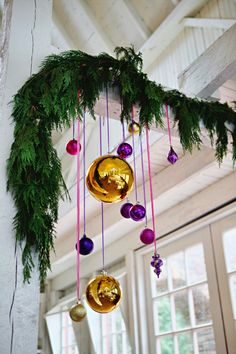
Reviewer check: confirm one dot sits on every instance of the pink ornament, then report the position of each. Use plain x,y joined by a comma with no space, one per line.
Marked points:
147,236
72,147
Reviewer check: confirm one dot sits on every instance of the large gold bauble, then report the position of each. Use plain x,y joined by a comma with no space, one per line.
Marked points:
110,179
103,293
78,312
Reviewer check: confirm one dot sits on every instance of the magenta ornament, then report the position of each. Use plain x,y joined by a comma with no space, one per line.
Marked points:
147,236
124,150
172,156
72,147
125,210
137,212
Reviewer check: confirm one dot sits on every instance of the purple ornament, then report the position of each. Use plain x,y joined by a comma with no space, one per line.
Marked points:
147,236
125,210
72,147
137,212
85,245
157,263
172,156
124,150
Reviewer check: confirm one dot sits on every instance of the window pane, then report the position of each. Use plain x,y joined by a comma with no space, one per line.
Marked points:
182,310
233,292
176,265
201,304
185,343
162,315
68,337
167,345
159,285
119,343
196,268
106,324
230,249
206,342
118,320
107,345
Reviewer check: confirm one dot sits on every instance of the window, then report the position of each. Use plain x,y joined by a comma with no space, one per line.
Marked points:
61,331
193,303
68,341
229,241
114,334
181,309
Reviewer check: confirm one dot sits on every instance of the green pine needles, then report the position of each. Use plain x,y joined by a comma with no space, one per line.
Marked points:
49,100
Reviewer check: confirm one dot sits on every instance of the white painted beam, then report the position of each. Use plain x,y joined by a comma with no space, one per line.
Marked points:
103,37
215,66
218,23
60,38
168,31
139,24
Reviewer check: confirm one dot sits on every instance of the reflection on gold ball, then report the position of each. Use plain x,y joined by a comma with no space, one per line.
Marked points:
78,312
103,293
109,179
134,128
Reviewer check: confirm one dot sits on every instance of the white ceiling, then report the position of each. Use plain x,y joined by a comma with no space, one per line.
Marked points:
100,25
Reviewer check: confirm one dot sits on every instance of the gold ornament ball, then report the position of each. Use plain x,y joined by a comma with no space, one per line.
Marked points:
78,312
103,293
110,179
134,128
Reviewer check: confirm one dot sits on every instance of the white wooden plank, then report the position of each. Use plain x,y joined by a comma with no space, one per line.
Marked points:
208,22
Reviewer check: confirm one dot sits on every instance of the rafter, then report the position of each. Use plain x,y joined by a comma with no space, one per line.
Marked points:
215,66
168,31
208,22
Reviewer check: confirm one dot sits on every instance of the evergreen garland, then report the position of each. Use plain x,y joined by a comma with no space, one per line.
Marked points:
48,100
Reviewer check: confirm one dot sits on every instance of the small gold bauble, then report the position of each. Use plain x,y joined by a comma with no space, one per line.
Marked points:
134,128
110,179
103,293
78,312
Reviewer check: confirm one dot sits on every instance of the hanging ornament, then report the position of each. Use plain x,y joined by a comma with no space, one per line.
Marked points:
134,127
156,263
124,150
137,212
109,179
72,147
125,210
86,245
147,236
103,293
78,312
172,157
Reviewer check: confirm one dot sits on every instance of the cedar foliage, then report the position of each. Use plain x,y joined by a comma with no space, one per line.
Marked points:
49,100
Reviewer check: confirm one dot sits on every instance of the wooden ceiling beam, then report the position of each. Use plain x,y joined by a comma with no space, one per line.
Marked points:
214,67
168,30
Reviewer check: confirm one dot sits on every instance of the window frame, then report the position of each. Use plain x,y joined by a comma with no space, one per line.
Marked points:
146,333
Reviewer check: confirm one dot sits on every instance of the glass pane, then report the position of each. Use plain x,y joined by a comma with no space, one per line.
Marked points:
118,320
106,324
176,265
185,343
201,304
167,345
196,268
162,315
68,337
182,310
119,343
107,345
65,318
206,341
230,249
233,292
159,286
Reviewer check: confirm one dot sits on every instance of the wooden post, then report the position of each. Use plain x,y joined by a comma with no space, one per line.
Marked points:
28,42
